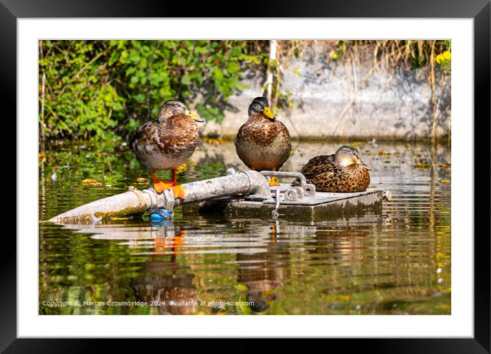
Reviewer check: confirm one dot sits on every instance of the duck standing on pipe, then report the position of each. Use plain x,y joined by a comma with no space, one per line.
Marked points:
263,143
167,143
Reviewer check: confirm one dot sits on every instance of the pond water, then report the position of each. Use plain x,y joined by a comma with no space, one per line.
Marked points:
395,263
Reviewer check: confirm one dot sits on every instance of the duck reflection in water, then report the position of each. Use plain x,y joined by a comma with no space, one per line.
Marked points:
264,272
167,285
167,288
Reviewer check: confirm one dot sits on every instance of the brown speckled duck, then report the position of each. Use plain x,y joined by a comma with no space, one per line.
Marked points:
167,143
263,143
342,172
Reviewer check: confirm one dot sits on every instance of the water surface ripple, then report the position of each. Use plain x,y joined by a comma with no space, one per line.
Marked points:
394,263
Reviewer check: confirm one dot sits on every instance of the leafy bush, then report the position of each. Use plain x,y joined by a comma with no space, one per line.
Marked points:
105,87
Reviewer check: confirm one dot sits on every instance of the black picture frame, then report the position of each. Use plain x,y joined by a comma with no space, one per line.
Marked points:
478,10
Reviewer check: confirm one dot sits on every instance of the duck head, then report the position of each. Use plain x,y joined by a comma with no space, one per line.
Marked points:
173,108
260,105
347,156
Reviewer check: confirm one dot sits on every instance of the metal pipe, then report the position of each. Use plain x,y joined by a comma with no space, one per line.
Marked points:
135,201
247,183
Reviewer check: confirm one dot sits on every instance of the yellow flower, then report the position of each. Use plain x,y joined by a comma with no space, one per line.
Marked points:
181,168
447,55
439,58
334,55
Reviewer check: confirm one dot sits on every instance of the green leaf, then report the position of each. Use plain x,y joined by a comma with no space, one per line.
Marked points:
185,80
236,51
140,98
114,57
201,50
233,67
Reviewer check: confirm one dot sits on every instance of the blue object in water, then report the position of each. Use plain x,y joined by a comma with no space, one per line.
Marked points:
159,215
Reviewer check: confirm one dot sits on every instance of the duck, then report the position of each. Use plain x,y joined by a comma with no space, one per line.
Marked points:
167,143
263,142
343,172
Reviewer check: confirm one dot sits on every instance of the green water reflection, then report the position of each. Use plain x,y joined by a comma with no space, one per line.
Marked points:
398,263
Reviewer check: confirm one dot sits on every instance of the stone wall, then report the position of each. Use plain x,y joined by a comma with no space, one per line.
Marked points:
339,99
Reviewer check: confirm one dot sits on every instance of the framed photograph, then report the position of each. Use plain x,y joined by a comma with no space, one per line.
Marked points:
314,170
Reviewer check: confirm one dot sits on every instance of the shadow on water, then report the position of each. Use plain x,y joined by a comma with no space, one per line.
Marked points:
398,263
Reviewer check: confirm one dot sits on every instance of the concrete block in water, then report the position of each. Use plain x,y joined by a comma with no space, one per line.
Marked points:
320,207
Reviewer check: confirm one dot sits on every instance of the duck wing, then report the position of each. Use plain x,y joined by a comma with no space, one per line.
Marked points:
147,135
319,164
324,173
179,133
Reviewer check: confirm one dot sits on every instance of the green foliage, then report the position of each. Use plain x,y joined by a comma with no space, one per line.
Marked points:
106,87
418,53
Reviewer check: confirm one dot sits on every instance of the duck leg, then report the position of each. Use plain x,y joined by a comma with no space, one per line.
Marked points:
160,186
155,179
178,190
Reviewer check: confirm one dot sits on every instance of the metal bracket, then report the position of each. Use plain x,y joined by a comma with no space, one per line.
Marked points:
308,189
291,195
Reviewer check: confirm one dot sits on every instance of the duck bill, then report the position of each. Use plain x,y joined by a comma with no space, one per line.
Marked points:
366,166
267,112
195,117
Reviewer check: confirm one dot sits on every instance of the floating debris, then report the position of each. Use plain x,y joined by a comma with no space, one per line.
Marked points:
160,215
91,182
115,218
141,180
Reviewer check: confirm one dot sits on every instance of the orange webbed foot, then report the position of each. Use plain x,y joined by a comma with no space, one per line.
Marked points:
274,182
161,186
179,191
